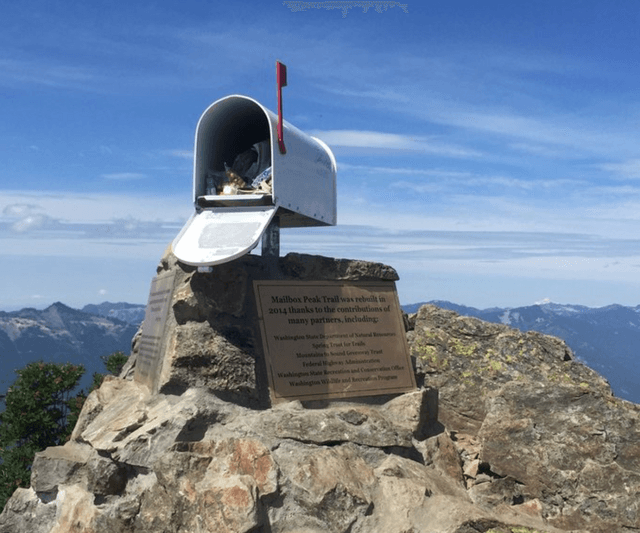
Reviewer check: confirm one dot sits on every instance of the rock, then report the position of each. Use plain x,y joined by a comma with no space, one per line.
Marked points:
441,452
538,425
393,424
24,511
471,470
76,510
507,433
468,360
571,449
215,485
328,489
212,334
58,466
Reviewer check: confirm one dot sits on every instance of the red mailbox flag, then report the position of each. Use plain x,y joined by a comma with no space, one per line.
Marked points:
281,80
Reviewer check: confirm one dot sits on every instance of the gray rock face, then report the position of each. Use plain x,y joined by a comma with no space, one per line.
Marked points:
212,333
506,434
531,423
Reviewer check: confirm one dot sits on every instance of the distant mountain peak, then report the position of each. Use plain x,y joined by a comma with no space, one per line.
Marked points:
131,313
61,307
60,334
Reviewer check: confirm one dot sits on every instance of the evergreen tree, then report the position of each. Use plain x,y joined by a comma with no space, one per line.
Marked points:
40,411
36,412
115,362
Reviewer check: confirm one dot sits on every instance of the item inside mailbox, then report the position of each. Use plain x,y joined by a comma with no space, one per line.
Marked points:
250,173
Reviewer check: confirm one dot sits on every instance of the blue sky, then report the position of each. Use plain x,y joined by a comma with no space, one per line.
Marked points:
489,151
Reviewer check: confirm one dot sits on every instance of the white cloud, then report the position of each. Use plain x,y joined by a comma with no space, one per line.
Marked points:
74,225
48,73
182,154
627,170
124,176
547,130
19,210
29,223
367,139
404,170
527,118
390,141
540,150
79,208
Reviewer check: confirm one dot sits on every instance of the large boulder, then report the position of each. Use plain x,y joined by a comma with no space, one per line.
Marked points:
533,425
507,433
212,336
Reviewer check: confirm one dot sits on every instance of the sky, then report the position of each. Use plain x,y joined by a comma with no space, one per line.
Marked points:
488,151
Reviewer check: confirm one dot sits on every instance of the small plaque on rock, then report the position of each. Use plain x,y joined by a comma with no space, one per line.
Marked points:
333,339
149,362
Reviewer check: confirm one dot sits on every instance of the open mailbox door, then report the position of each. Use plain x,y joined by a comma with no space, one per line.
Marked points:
241,181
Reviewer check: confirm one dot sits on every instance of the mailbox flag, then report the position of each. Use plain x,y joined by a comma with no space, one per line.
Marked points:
281,80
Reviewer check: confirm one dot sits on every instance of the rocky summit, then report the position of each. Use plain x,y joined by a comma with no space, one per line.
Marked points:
506,433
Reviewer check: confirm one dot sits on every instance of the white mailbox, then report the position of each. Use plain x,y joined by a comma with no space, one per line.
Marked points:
242,180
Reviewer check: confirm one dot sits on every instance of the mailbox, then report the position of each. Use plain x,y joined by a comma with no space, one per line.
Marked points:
243,178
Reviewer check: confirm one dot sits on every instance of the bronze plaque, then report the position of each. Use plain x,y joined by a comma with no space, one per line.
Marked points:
149,362
333,339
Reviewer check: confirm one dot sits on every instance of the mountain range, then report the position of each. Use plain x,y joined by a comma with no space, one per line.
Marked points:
606,339
62,334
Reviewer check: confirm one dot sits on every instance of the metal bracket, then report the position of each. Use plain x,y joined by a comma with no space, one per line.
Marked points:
271,239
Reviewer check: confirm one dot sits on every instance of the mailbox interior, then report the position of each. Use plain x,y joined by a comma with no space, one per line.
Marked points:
228,128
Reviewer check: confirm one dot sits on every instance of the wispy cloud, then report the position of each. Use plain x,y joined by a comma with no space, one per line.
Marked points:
127,55
503,98
626,170
446,180
391,142
40,226
540,150
470,248
30,223
500,230
492,159
124,176
502,183
182,154
79,208
19,210
49,73
430,172
84,235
